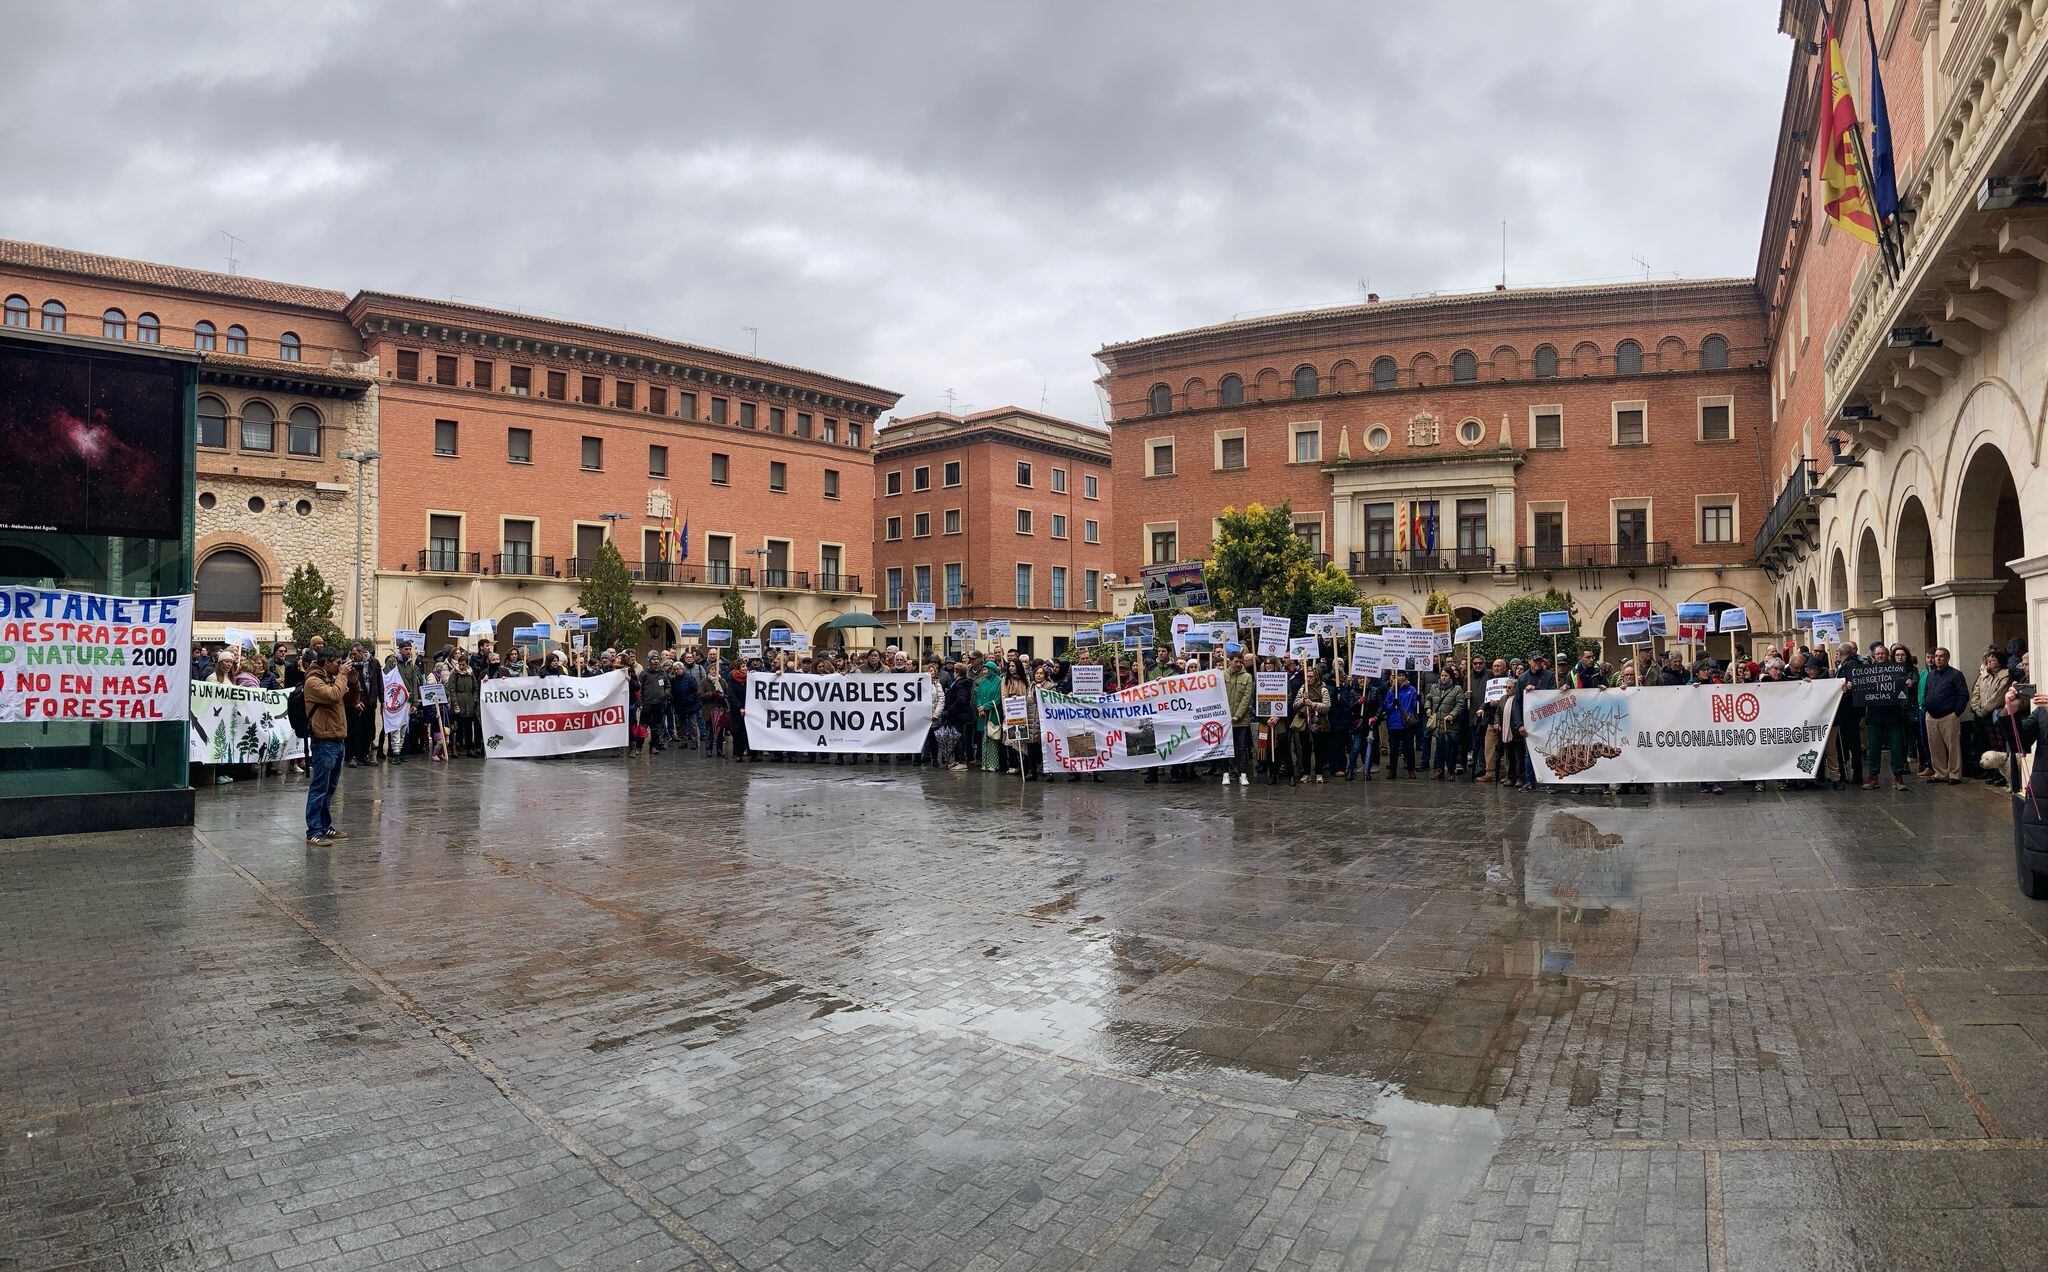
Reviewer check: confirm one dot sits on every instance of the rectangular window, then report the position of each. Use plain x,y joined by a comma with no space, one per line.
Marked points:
719,409
721,469
1631,534
853,432
892,483
1231,453
522,381
803,423
1549,430
622,394
517,548
952,521
1023,473
952,472
444,543
589,542
593,390
829,566
831,483
408,364
213,426
444,437
776,565
686,405
831,430
1628,426
778,475
1308,446
1091,532
892,529
657,400
718,558
1091,587
1059,587
1717,523
923,578
258,433
1471,532
1311,533
519,445
747,415
1379,535
483,373
444,369
776,419
1023,586
1550,536
1059,525
593,454
895,588
1059,481
921,525
1159,459
1023,521
657,461
558,386
302,432
1165,547
1089,487
955,591
921,478
1717,422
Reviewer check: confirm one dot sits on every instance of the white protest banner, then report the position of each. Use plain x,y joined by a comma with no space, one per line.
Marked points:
1087,678
1271,694
1368,655
1386,616
1274,629
964,629
1305,648
82,656
1352,616
1248,617
795,711
1734,619
750,648
1767,731
1172,720
528,716
433,693
239,637
996,629
921,612
1320,624
236,725
397,704
479,627
1498,687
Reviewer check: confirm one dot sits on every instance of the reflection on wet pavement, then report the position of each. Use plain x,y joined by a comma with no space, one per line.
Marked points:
656,1013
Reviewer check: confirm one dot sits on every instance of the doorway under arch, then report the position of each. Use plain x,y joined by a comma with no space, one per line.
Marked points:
659,633
1912,571
1838,581
435,630
1989,533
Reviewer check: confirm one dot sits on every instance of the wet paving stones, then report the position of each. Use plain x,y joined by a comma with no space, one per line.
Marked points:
665,1014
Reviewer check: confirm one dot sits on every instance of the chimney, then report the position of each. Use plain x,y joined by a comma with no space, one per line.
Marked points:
1372,298
1500,286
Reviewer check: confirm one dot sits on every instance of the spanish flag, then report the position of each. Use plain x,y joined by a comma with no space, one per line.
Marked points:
1841,177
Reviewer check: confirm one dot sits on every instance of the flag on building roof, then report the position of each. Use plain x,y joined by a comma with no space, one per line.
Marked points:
1841,177
1884,176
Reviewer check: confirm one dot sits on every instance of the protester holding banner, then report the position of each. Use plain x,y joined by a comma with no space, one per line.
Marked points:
1885,688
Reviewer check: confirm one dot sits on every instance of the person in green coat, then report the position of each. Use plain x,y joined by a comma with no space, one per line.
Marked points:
462,687
1446,708
988,714
1240,687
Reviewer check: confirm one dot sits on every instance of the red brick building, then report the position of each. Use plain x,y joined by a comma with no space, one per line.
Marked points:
1607,440
1002,514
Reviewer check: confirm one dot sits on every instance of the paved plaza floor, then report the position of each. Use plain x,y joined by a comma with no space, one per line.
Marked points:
665,1013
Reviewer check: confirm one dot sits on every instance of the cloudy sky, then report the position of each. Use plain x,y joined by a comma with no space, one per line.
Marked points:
929,196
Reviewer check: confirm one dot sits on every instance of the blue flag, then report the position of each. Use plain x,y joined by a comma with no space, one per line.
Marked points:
1884,177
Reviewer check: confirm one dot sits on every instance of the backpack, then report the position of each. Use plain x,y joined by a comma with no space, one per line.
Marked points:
295,713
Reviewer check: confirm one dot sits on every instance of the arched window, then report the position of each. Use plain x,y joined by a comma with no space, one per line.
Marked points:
1713,354
53,315
1546,362
1464,367
213,422
238,340
288,346
302,435
114,325
1160,400
17,311
148,330
1231,390
1628,358
259,427
229,587
1384,373
202,335
1304,381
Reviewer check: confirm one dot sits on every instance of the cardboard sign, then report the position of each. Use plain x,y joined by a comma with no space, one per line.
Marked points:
965,629
457,629
1368,656
1305,648
1222,635
1352,616
433,694
1274,630
1498,687
1635,610
480,627
750,649
1803,618
1554,623
1470,634
996,629
1734,619
1632,631
1437,623
239,638
690,629
1014,710
1087,637
1270,693
1087,678
800,641
1248,617
718,635
921,612
1386,616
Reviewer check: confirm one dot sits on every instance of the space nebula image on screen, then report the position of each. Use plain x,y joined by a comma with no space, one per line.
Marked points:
88,446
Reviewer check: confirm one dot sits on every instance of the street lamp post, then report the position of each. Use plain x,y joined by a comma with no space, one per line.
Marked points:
760,556
362,460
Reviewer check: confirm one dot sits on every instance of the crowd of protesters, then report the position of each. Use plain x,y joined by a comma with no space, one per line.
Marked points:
1462,720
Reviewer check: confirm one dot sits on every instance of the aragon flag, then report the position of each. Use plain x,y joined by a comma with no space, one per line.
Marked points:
1843,193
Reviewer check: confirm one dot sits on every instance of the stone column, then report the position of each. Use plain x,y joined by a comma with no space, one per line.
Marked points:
1905,619
1864,625
1962,617
1501,529
2033,572
1343,513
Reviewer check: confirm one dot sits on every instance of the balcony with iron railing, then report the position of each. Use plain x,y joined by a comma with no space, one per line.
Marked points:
1423,561
523,565
1594,556
450,561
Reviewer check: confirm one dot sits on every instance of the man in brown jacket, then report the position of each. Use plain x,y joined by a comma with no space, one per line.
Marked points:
324,694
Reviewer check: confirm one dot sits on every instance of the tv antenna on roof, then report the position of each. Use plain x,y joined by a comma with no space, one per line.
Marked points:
753,350
1641,264
233,243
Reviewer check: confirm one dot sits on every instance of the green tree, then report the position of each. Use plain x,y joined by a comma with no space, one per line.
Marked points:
607,596
1256,559
309,607
735,615
1512,630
